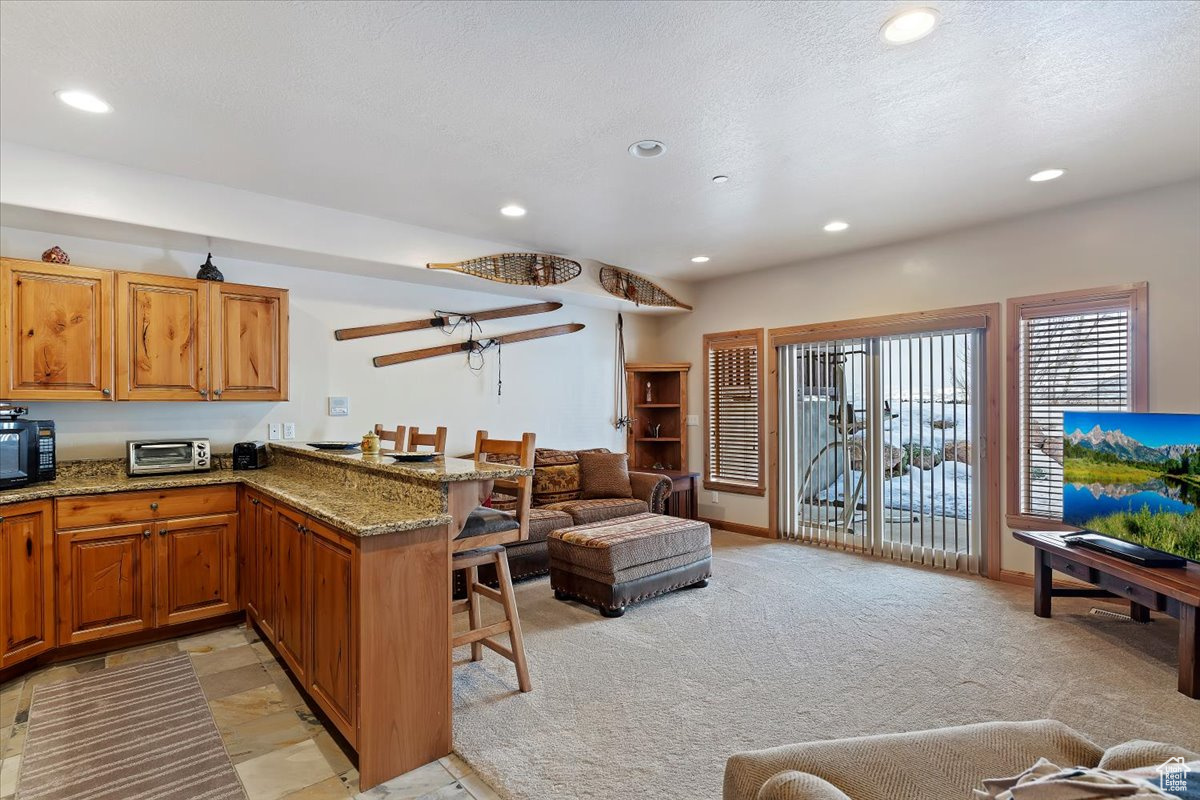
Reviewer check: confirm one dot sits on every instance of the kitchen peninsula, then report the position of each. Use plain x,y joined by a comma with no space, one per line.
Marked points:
340,560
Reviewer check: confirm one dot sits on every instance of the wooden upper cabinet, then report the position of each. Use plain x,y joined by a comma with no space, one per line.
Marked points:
162,338
57,330
26,582
249,343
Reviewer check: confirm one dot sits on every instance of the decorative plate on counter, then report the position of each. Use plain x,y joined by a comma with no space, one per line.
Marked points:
334,445
412,455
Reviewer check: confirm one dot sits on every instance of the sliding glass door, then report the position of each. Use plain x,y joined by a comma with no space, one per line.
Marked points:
879,445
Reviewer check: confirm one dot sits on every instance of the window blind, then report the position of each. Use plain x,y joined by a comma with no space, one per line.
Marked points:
734,412
1069,362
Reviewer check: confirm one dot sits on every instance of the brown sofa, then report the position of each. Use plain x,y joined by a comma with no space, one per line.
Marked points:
556,503
926,765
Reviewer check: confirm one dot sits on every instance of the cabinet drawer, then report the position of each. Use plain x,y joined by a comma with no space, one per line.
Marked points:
108,509
1077,571
1138,594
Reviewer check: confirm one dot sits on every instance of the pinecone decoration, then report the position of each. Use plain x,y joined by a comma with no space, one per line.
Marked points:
56,255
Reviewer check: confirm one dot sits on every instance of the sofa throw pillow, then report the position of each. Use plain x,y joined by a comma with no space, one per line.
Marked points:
603,475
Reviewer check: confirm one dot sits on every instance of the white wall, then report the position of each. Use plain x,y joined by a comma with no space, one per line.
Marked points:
561,388
1149,236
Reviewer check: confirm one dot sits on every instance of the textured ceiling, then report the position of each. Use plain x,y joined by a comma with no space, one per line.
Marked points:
439,113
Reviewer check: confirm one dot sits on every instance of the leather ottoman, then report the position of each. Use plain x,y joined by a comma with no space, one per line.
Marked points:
613,563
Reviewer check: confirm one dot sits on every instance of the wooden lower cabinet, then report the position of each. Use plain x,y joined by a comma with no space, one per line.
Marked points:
197,568
151,570
291,587
333,660
27,578
105,582
257,566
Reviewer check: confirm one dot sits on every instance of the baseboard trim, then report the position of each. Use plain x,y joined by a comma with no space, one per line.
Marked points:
1025,579
737,527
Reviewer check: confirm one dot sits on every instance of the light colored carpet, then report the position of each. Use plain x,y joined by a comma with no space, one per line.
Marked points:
142,732
793,643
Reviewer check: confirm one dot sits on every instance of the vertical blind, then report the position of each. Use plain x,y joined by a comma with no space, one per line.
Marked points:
1069,362
734,411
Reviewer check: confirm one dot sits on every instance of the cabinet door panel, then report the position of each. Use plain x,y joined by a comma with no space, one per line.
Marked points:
106,582
196,568
162,338
333,651
26,582
58,328
250,343
291,587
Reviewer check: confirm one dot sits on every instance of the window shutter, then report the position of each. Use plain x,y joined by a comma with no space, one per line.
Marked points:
1080,361
734,410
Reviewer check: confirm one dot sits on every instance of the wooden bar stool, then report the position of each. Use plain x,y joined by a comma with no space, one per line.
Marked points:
482,542
396,437
436,440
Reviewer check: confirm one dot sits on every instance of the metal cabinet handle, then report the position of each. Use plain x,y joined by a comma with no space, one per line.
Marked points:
253,501
146,534
154,506
106,392
1129,589
204,392
162,532
217,393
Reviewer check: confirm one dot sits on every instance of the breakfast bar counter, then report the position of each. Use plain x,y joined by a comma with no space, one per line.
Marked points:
340,560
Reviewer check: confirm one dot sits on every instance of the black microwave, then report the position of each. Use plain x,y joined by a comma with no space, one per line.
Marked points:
26,452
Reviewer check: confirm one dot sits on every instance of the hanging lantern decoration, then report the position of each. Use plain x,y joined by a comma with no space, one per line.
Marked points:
209,272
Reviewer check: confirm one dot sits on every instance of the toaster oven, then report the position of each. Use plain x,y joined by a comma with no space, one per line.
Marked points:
163,456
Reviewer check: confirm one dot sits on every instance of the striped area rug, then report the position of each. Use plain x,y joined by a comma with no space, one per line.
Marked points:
142,732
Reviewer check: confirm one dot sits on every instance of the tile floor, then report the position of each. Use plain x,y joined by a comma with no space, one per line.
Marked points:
279,748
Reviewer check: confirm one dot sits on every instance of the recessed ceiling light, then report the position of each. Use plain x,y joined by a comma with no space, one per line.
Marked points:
837,226
909,26
513,211
84,101
1047,175
699,259
720,178
647,148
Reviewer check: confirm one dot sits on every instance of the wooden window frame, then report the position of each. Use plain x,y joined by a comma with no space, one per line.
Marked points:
985,317
747,336
1131,296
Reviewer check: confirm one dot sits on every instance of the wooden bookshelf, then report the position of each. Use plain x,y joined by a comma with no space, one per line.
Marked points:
666,406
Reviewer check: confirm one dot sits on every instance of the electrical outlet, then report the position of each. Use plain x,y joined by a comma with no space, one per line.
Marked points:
274,431
714,496
693,420
289,430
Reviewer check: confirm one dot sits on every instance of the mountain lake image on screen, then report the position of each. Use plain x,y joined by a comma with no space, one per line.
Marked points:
1134,477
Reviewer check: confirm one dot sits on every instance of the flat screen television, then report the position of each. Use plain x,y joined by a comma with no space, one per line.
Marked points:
1134,477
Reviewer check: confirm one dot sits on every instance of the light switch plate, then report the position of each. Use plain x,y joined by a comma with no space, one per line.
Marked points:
274,431
289,430
693,420
715,497
339,406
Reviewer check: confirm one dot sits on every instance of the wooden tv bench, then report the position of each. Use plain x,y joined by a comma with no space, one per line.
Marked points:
1172,591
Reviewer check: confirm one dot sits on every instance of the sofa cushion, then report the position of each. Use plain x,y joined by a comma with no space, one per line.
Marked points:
617,544
584,511
945,762
544,520
1139,753
604,475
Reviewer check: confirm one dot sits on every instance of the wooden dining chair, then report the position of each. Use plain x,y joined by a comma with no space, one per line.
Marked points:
396,437
482,542
436,440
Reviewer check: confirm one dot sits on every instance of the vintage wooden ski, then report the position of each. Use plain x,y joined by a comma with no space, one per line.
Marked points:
475,344
341,334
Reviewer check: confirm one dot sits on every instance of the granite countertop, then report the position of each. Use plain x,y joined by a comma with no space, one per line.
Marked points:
358,512
440,470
